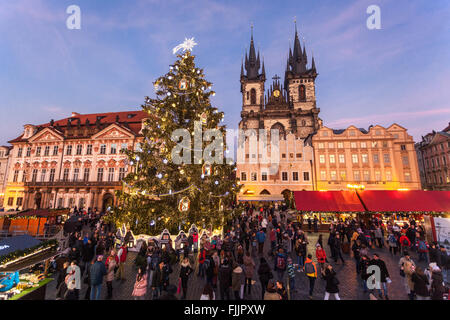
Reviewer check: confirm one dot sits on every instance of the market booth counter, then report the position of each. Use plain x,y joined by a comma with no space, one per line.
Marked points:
327,206
24,267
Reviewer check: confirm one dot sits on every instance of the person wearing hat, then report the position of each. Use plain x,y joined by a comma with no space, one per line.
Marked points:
98,271
271,291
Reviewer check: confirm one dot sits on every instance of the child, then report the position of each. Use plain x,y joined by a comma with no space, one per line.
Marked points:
291,274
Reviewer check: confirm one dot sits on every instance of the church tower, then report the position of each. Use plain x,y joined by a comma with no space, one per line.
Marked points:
300,85
252,81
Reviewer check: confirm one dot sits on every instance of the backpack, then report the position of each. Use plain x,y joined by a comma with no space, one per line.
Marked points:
422,246
405,242
309,268
281,263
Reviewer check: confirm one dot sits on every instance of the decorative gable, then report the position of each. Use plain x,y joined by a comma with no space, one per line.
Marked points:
46,135
113,132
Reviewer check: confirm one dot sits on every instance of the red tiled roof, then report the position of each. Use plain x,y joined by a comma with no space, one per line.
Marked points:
133,122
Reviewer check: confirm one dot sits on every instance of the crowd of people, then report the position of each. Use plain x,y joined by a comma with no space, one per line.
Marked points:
228,266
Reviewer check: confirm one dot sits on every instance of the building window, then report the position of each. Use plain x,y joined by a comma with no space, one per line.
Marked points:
376,159
405,160
264,176
253,96
34,175
340,145
322,158
388,176
354,158
343,175
28,152
299,155
10,201
16,175
24,176
365,158
52,175
352,133
66,174
79,149
396,136
291,155
103,149
353,145
243,176
121,174
320,145
38,151
55,150
76,172
378,132
323,175
89,149
19,201
356,176
283,155
332,158
100,174
386,158
366,175
403,147
333,175
305,176
331,145
254,176
47,151
113,148
43,173
363,145
294,176
124,147
301,93
325,134
19,152
407,176
86,174
377,176
284,176
341,158
385,144
69,150
111,174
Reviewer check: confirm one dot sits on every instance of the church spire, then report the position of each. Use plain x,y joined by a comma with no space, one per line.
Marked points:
263,72
253,62
297,58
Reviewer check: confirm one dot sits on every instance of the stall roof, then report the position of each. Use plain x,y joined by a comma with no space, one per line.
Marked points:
261,197
328,201
12,244
411,200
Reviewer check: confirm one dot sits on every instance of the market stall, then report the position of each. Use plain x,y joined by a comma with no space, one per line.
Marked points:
327,206
24,267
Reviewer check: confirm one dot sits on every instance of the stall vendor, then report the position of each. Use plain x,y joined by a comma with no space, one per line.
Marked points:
8,280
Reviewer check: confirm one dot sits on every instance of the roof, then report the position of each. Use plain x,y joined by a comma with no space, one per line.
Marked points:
401,201
340,131
328,201
128,119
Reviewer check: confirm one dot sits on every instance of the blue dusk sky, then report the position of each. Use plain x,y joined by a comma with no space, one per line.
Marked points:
400,73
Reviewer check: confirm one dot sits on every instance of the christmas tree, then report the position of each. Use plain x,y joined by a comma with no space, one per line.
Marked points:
180,175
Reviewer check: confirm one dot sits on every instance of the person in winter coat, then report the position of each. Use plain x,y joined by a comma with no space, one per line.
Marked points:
122,255
281,290
291,274
379,237
437,289
249,270
208,293
332,283
61,286
363,265
407,267
421,282
140,286
434,254
98,271
265,274
310,269
111,263
185,272
75,274
237,281
321,256
280,263
384,274
393,244
337,249
260,237
405,243
225,279
157,280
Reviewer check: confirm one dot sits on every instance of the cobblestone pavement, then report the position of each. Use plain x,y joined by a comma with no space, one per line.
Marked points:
350,286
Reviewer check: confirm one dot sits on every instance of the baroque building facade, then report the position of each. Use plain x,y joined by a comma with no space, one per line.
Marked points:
375,159
433,154
291,110
71,162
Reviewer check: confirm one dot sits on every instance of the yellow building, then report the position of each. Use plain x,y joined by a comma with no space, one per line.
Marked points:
375,159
